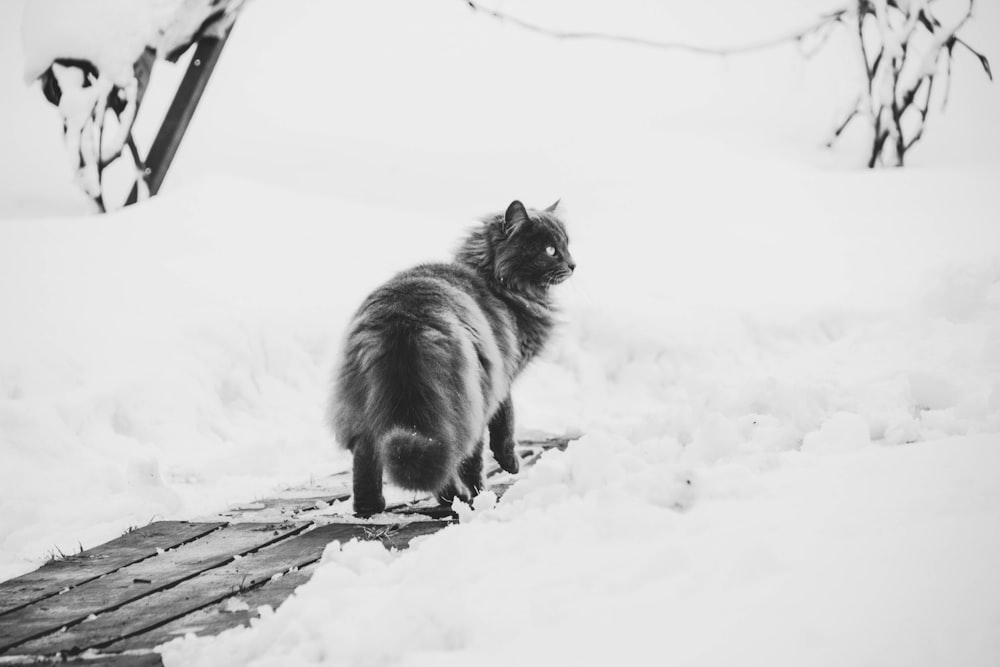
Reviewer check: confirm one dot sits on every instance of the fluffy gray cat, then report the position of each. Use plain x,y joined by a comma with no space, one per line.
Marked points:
430,356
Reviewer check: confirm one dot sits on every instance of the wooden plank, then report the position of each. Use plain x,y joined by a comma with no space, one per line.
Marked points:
138,580
78,569
285,508
99,660
144,660
214,619
529,450
427,508
141,598
213,586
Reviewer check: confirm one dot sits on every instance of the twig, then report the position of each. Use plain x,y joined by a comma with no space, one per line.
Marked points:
887,110
795,36
99,198
843,125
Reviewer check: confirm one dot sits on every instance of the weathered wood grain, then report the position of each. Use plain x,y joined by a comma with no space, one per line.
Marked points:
213,586
336,488
137,580
215,618
145,660
130,548
170,578
110,660
148,659
287,509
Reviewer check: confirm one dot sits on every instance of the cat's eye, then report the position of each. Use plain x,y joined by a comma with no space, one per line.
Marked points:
550,251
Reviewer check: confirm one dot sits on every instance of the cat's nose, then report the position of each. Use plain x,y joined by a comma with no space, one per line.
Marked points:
571,265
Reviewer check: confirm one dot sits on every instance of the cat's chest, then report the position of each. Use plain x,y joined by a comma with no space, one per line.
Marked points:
532,336
531,326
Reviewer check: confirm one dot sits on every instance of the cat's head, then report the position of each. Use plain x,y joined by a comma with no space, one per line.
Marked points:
525,250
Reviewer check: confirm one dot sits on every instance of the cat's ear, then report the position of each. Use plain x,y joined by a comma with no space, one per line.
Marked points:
516,217
552,209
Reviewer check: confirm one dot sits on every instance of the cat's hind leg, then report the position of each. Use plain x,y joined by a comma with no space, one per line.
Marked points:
468,481
471,470
368,498
455,488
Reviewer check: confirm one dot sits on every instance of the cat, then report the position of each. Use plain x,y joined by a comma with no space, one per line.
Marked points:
429,358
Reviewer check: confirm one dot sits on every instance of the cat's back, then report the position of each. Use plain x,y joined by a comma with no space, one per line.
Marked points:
440,278
445,307
446,276
430,331
429,295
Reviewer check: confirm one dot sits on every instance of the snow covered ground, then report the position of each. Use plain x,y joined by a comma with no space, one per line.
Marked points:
786,368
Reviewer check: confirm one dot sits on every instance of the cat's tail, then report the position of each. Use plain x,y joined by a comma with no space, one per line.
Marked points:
416,461
414,384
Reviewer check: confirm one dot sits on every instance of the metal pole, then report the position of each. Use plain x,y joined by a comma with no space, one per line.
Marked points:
175,124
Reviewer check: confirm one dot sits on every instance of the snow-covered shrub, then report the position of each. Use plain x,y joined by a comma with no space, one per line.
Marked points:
905,49
95,57
97,117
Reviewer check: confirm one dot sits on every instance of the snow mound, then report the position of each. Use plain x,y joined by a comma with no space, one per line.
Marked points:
605,572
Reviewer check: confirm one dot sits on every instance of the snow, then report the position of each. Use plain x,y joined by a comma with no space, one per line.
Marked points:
235,604
110,34
597,568
785,369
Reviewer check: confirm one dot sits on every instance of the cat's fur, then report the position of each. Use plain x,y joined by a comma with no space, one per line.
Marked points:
430,356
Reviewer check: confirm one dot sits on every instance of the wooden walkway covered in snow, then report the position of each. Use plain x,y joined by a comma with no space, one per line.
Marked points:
111,605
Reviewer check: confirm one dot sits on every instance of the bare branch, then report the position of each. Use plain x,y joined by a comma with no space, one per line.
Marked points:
794,36
931,24
140,165
880,137
843,125
886,100
896,108
982,59
134,150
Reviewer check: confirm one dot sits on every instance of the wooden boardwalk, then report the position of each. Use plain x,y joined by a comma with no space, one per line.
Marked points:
111,605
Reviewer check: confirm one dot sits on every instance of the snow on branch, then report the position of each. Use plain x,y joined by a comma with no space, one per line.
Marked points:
94,59
905,50
904,46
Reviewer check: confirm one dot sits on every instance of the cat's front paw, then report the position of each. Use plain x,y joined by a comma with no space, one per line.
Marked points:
365,507
507,457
